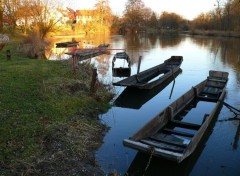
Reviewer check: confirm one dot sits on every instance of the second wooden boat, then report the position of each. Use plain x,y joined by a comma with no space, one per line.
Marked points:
176,132
135,98
123,70
154,76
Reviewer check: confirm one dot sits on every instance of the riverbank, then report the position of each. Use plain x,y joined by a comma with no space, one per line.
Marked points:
49,119
213,33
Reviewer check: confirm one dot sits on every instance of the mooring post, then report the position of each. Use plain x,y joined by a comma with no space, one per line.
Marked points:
139,64
8,55
93,86
75,60
74,63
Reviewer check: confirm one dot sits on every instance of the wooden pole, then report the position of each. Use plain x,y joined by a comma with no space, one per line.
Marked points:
74,63
139,64
93,86
172,89
8,55
230,107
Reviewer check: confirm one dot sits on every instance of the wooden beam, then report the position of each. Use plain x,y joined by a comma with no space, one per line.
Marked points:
186,125
180,133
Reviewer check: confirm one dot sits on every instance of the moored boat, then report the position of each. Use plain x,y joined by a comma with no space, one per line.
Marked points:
135,98
154,76
125,69
175,132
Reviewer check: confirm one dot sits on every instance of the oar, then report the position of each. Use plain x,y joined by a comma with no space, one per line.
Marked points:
229,106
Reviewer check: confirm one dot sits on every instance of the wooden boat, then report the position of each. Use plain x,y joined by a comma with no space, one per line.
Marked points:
122,71
172,133
66,44
154,76
86,53
135,98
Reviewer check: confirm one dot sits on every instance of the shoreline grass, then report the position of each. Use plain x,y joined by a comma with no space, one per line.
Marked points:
38,100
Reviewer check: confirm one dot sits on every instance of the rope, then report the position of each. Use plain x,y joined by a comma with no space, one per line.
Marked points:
231,108
150,159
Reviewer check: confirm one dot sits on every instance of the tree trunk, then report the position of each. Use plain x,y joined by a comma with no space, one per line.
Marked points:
1,17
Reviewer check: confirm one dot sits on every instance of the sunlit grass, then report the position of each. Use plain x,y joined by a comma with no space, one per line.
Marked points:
40,97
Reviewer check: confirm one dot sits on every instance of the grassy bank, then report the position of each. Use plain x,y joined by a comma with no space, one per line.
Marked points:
48,117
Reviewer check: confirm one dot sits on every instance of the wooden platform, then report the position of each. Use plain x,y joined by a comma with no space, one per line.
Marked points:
86,53
66,44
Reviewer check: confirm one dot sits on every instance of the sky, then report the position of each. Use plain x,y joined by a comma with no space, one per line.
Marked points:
188,9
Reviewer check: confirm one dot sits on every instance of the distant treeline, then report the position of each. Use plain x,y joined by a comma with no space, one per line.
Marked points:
225,17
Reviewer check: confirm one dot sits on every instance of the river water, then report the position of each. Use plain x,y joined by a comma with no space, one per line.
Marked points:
219,153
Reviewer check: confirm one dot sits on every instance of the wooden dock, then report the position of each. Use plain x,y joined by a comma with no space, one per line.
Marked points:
86,53
66,44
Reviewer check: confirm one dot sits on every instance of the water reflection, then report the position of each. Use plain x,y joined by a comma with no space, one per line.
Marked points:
200,55
220,154
236,121
91,40
169,40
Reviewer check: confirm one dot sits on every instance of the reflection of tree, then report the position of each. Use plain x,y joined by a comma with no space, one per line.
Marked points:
228,50
136,44
237,134
103,64
153,40
236,138
225,48
169,41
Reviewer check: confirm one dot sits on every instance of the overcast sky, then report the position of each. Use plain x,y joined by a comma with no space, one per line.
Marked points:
186,8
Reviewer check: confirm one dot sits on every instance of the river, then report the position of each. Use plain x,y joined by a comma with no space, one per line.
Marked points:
219,153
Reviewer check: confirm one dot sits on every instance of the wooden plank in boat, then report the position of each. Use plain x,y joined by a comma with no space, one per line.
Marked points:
217,79
181,133
185,125
210,90
215,84
163,145
170,139
207,97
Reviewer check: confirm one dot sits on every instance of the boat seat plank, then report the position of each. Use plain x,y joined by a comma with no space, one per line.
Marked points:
168,140
185,125
163,146
215,84
216,79
211,90
203,97
180,133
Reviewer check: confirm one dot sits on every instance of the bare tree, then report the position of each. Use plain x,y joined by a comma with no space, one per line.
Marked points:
133,13
45,17
103,14
10,7
219,11
170,21
153,20
44,20
1,16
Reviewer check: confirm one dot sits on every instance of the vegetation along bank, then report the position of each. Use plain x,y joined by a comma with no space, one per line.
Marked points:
49,119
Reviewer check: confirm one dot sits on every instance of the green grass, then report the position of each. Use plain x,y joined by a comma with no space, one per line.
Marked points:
40,97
